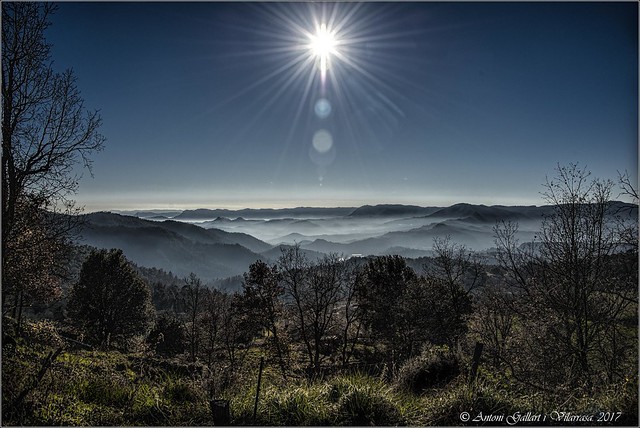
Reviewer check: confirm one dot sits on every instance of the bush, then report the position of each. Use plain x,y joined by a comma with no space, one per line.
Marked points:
363,400
295,406
181,390
364,407
434,367
43,332
105,389
168,336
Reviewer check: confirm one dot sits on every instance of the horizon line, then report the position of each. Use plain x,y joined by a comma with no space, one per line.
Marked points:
265,208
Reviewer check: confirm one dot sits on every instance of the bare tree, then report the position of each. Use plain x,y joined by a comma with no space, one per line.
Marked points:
214,304
628,188
320,302
493,322
32,263
237,330
314,293
262,293
627,217
46,130
294,267
45,127
193,296
351,312
453,274
572,284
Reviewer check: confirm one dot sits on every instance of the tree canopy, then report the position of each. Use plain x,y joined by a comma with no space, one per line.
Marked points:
110,302
46,131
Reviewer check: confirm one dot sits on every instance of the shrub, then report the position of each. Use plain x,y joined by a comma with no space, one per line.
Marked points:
363,400
106,390
434,367
180,390
43,332
168,335
295,406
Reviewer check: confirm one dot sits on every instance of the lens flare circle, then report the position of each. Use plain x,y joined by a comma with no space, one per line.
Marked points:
322,141
322,108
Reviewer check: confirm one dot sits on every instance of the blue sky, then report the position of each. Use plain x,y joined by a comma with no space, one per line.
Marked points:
213,104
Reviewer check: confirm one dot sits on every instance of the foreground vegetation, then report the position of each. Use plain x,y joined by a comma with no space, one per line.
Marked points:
88,339
365,341
93,388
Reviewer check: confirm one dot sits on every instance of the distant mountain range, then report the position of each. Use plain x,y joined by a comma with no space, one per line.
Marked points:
223,243
392,211
461,210
483,213
264,213
177,247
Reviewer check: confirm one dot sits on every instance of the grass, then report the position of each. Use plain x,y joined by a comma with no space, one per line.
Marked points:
363,400
342,400
109,388
98,388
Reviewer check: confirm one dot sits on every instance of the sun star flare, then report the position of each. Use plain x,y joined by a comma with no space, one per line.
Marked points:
322,45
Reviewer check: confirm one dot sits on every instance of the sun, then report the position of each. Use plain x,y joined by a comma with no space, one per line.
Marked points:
322,45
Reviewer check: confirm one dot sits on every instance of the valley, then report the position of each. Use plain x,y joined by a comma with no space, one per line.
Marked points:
217,244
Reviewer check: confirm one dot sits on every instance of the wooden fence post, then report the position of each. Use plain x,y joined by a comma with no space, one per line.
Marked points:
255,407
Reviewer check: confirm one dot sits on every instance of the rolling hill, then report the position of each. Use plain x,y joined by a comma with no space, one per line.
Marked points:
177,247
227,244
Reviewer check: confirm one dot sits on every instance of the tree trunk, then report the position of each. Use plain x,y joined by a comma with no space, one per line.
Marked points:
279,353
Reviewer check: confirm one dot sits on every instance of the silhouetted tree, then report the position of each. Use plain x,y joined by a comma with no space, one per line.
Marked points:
262,294
320,303
238,328
570,296
382,299
314,293
351,327
627,218
34,263
192,297
453,274
45,131
168,336
110,302
214,304
227,331
493,322
293,267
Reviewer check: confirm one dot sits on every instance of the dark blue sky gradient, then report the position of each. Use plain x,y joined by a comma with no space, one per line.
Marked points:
432,103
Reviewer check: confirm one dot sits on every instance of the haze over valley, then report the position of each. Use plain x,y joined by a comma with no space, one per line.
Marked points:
319,213
216,244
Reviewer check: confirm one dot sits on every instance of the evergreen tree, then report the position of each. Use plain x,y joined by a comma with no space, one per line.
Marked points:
110,302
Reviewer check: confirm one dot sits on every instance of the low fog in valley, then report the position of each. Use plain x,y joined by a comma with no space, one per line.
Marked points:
217,244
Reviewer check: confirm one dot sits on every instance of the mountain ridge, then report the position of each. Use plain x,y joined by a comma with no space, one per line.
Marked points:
273,213
178,247
361,211
224,247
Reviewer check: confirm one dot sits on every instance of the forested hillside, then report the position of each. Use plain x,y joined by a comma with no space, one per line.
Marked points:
114,320
348,341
